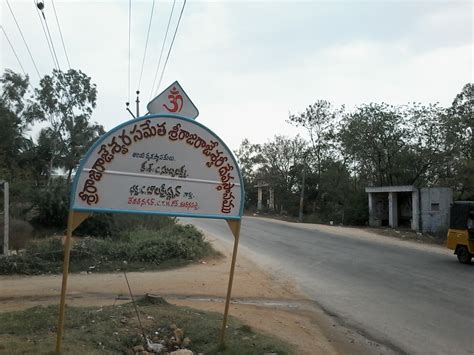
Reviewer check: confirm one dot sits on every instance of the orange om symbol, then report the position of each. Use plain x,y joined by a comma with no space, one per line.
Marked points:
176,101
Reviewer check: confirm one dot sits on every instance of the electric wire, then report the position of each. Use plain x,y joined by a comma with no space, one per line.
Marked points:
129,44
171,46
24,40
51,39
45,34
146,45
61,34
13,49
162,49
135,306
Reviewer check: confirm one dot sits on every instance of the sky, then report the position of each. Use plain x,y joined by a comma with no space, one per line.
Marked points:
248,64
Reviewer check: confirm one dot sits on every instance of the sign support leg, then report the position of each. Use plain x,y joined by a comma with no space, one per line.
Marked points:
235,228
74,220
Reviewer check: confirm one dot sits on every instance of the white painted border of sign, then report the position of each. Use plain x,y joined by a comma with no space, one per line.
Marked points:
79,215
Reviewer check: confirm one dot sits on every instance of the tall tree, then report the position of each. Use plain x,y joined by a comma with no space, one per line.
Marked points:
282,161
458,126
375,138
14,89
425,142
250,159
319,120
66,101
14,122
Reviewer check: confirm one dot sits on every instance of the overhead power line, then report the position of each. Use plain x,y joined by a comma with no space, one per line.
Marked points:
161,53
24,40
171,46
13,50
50,38
39,6
129,44
146,45
61,34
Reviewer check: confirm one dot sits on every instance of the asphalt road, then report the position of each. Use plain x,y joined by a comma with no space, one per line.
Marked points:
415,301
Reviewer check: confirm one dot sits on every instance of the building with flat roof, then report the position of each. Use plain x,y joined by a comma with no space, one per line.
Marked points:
421,209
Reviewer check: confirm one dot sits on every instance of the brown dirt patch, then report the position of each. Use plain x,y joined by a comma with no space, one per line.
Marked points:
274,306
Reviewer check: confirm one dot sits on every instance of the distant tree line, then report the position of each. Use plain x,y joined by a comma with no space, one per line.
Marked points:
62,103
342,152
376,144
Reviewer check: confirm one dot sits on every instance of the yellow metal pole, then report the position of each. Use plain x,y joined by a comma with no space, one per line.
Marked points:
235,228
73,221
67,250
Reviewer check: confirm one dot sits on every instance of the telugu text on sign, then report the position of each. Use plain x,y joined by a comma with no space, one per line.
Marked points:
160,164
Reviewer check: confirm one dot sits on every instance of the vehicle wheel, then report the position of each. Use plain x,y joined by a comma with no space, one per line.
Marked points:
463,254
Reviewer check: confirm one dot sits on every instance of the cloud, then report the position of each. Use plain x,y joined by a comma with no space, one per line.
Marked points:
247,64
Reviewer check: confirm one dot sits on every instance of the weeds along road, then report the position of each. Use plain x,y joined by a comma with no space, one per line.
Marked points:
415,299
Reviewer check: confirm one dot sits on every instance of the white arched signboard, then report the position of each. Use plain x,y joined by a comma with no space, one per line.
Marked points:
157,164
164,165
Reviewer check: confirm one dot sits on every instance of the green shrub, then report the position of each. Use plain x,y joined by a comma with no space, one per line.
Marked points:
20,233
51,204
140,248
49,249
107,225
98,225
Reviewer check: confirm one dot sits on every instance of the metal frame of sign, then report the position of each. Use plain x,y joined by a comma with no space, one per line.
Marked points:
79,215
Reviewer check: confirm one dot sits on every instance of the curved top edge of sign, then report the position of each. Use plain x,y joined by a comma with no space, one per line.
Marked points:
138,119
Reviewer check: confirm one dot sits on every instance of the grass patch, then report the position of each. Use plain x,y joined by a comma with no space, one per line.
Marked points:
140,249
112,330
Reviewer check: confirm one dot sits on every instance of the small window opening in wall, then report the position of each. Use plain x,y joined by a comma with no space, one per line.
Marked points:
435,207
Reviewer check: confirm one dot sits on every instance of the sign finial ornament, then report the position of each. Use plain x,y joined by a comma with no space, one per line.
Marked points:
173,100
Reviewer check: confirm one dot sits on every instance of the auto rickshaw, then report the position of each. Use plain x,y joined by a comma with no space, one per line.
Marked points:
461,231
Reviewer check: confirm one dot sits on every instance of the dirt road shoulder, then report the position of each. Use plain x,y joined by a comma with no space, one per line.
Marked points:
273,306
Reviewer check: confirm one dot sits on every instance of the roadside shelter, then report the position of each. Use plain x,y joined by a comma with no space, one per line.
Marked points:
421,209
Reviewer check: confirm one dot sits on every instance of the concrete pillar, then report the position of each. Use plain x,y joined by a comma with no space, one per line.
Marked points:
272,199
6,216
259,198
415,212
372,211
392,210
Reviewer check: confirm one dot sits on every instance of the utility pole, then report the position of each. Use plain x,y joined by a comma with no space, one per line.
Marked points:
138,103
6,217
300,217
